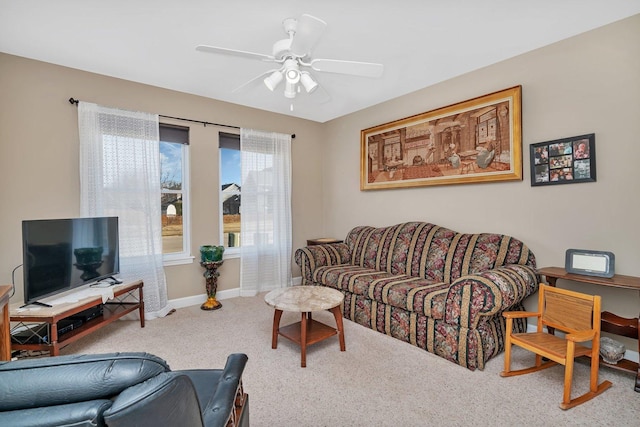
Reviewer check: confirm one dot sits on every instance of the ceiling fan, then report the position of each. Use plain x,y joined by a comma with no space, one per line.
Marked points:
293,55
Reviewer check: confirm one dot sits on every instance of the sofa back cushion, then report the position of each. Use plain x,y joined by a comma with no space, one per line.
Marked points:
432,252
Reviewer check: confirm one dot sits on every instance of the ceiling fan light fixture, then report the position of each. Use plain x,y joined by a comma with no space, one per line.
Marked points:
273,80
293,75
290,90
308,82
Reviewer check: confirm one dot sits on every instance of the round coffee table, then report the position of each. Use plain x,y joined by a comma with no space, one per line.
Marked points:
305,300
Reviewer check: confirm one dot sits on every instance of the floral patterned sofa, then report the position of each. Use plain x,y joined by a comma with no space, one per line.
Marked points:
427,285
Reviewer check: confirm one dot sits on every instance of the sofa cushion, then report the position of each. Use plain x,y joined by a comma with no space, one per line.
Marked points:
463,302
409,293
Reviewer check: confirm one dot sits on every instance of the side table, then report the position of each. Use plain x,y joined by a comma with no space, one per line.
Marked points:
322,241
609,322
304,300
211,274
5,335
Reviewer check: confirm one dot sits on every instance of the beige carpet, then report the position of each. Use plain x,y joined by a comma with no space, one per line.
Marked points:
378,381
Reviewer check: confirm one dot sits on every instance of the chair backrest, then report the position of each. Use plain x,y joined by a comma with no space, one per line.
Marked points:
49,381
569,311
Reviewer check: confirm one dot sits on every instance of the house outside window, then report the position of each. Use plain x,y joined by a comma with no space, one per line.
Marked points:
174,188
230,191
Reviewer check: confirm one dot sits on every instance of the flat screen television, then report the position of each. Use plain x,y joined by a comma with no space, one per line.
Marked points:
61,254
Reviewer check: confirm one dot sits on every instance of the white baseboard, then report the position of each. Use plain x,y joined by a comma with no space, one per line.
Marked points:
200,299
221,295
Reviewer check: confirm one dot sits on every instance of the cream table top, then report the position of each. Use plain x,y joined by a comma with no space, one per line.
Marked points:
304,298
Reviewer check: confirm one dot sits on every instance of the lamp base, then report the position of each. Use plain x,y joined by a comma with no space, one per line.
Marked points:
211,304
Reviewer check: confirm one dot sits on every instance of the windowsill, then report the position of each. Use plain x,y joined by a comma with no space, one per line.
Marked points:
186,259
230,253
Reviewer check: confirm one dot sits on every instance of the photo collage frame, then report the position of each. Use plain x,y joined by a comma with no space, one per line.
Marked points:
563,161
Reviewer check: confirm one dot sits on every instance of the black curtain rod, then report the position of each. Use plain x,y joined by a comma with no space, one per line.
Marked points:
76,101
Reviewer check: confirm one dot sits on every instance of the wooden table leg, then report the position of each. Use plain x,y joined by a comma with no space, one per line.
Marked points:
141,309
637,386
304,322
338,316
5,325
276,325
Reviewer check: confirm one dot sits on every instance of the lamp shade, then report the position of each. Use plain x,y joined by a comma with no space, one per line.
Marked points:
308,82
290,90
273,80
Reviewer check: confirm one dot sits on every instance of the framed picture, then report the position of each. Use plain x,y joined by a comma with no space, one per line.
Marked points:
478,140
563,161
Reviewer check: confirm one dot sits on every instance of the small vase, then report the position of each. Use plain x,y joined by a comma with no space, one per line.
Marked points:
210,253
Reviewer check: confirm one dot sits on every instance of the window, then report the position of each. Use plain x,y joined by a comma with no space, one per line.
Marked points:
174,188
230,179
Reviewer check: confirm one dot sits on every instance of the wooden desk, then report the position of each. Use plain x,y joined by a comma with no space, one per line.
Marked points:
113,310
609,322
5,335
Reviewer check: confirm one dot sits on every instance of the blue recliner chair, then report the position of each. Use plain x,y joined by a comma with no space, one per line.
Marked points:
120,389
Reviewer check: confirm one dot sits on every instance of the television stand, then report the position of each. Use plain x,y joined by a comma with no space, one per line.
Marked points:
42,304
114,309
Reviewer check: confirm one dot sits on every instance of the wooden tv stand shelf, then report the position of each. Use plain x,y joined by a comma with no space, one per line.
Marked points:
113,309
627,327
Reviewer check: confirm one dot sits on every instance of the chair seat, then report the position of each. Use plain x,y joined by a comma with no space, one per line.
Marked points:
549,344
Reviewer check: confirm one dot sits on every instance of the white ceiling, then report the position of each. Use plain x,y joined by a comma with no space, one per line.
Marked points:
420,42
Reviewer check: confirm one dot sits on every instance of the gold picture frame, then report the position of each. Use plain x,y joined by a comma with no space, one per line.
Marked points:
478,140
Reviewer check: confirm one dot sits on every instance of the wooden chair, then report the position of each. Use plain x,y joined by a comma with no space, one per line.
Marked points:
576,314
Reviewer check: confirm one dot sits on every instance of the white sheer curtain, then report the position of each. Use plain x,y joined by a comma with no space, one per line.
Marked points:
265,211
120,176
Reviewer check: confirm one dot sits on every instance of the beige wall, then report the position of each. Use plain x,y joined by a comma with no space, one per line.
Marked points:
589,83
39,158
585,84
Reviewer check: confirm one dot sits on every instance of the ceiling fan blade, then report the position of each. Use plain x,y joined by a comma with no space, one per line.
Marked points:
253,81
354,68
308,32
235,52
320,95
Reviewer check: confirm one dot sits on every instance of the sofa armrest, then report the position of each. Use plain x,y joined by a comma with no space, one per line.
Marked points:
32,383
222,405
80,414
487,293
198,397
312,257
